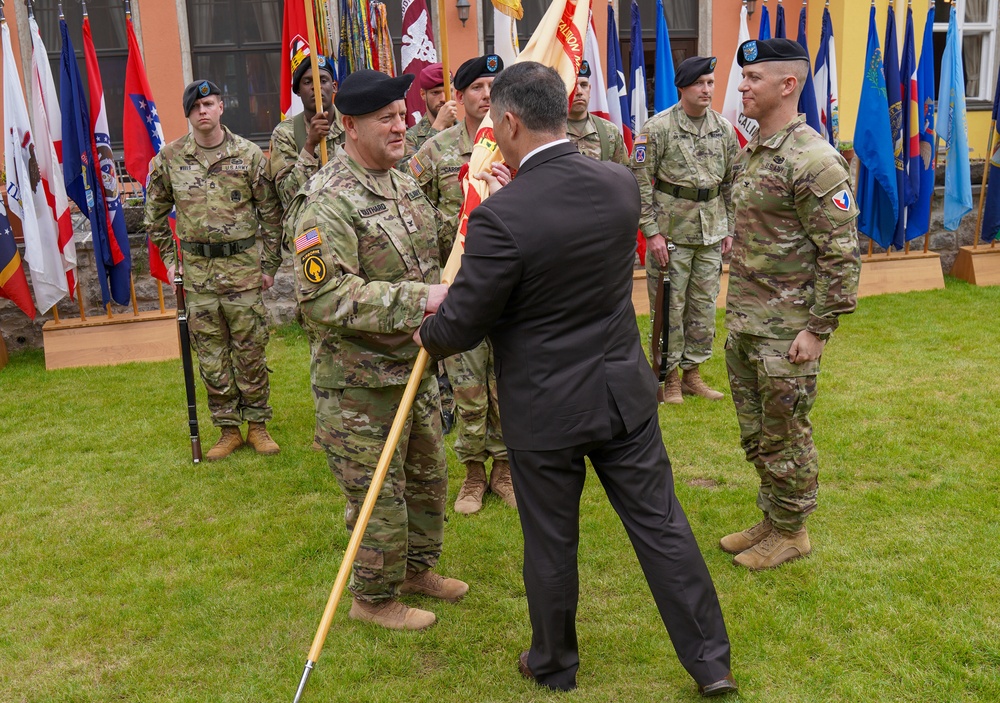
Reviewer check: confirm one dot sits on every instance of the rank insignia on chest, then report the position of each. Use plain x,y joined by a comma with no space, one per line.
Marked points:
236,196
313,267
373,210
306,240
842,200
640,153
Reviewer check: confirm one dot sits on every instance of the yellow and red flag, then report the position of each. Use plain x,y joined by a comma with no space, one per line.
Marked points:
558,42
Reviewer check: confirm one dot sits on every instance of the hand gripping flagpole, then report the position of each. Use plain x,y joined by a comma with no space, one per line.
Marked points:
358,533
313,59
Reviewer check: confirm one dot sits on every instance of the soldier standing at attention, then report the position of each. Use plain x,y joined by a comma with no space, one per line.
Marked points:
436,167
794,271
218,183
594,136
684,160
364,243
441,114
295,141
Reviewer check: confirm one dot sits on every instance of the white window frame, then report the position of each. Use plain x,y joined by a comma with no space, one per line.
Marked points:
988,59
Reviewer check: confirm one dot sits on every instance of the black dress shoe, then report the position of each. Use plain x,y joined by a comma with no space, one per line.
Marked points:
522,666
719,688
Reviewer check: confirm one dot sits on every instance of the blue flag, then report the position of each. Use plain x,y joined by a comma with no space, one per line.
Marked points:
765,25
618,106
895,99
991,210
877,193
953,131
78,162
911,118
807,98
827,98
918,215
666,92
779,23
637,77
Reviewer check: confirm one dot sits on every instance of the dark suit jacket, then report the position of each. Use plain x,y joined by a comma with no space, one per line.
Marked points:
547,274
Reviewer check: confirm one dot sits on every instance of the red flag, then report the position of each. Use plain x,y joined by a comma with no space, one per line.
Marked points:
13,282
142,134
294,50
417,52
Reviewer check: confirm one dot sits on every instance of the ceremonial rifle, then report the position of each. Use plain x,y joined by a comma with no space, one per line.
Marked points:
185,340
661,330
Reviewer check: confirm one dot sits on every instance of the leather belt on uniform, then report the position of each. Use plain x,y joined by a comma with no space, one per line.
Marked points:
696,194
215,251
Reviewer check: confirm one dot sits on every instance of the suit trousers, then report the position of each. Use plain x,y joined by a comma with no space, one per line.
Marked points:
635,472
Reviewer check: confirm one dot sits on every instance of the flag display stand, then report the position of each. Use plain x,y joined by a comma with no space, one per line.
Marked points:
108,341
900,272
978,266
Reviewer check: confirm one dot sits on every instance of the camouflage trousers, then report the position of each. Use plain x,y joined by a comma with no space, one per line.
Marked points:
695,277
407,523
773,398
229,334
474,385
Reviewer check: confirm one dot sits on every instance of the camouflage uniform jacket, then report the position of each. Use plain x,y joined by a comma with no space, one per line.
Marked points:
225,200
365,250
436,167
584,134
795,262
671,150
290,167
418,134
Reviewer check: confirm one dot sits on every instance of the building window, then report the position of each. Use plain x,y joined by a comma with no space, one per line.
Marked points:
107,26
977,25
236,44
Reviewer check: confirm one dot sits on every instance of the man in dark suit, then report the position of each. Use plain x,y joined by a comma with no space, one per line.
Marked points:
547,273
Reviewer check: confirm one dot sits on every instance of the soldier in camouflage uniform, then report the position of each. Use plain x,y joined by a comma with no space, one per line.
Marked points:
441,114
219,185
684,160
794,271
364,243
436,167
594,136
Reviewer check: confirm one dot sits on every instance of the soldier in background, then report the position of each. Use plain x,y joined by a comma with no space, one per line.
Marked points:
436,167
295,141
364,243
594,136
218,183
440,115
794,271
684,160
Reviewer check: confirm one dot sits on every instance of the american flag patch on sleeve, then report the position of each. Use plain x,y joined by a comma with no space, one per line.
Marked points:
309,238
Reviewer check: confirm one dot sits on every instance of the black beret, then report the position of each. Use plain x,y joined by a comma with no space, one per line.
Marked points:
324,64
584,71
366,91
473,69
756,51
693,68
196,90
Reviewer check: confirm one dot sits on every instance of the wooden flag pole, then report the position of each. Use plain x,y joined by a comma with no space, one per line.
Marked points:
313,53
131,290
977,232
79,302
55,315
159,292
445,68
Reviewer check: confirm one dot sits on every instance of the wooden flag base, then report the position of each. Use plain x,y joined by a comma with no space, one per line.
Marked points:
107,341
980,266
900,272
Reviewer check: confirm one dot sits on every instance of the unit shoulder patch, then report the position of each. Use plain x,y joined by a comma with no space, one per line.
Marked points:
313,267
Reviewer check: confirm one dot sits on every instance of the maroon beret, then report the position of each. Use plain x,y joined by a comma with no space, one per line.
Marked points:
431,77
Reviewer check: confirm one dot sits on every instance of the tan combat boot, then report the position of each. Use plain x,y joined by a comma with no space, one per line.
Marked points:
470,495
693,384
392,614
427,583
670,392
229,442
777,548
742,541
260,440
501,484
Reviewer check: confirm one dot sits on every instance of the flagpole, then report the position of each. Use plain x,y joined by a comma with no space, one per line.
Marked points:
937,155
79,291
977,232
313,57
445,69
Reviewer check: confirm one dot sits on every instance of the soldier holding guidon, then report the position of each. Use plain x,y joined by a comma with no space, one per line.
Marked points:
440,115
684,160
793,272
218,183
364,241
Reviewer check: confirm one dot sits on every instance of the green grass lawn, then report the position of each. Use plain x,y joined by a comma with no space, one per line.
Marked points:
128,574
